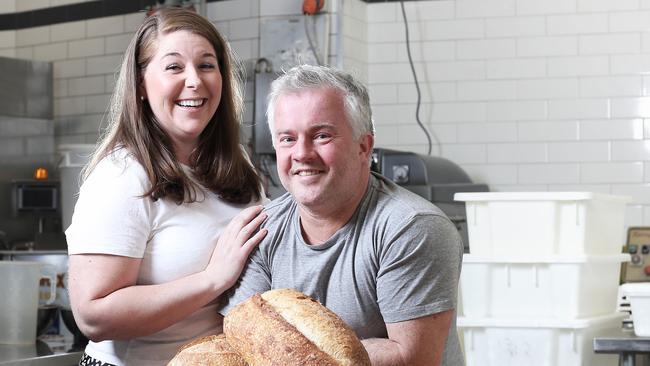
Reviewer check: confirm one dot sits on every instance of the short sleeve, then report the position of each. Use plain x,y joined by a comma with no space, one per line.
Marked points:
111,216
255,278
419,269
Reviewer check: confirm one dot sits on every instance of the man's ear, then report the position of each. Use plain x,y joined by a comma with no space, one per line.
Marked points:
366,143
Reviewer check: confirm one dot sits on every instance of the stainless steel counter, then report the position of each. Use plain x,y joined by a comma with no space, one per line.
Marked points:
40,354
632,350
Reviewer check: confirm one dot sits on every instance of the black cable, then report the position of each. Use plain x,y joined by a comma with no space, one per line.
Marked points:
415,77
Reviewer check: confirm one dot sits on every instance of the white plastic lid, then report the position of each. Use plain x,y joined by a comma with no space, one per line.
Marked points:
464,322
636,289
537,196
550,259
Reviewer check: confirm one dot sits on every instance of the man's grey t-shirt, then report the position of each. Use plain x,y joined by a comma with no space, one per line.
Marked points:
398,258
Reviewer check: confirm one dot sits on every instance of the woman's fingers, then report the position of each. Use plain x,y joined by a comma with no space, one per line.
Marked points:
251,243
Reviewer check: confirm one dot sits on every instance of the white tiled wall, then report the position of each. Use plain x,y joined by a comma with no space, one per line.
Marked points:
524,94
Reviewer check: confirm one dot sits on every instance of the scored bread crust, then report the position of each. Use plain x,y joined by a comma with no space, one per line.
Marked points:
207,351
286,327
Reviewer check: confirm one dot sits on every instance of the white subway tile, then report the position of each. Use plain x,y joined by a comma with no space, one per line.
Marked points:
32,36
86,47
237,9
576,24
630,150
646,170
442,133
109,82
614,86
578,66
492,173
390,73
630,64
459,112
68,31
464,153
117,44
86,85
645,4
7,6
27,5
8,52
133,21
516,110
279,7
50,52
383,12
392,32
611,129
355,29
633,21
585,6
244,49
103,64
391,114
611,172
609,44
646,129
244,28
546,7
69,68
484,8
547,46
12,147
631,107
645,42
39,145
427,51
578,151
578,108
410,134
98,103
60,88
431,92
428,10
382,52
486,90
355,7
69,106
548,173
634,216
487,132
383,93
452,29
105,26
386,135
517,153
461,70
548,131
595,188
26,53
518,187
7,38
640,193
547,88
485,49
516,68
515,27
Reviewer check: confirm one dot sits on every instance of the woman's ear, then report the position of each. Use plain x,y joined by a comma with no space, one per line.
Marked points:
142,91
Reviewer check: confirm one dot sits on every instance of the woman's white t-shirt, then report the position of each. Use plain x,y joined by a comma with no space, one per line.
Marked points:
173,241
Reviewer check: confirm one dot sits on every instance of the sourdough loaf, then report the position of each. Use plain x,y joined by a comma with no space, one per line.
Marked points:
286,327
207,351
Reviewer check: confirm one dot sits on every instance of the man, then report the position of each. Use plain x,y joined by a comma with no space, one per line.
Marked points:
382,258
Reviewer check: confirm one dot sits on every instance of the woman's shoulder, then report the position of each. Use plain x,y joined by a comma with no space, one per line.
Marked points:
118,165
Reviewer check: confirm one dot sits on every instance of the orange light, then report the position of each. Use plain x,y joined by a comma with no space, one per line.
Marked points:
40,174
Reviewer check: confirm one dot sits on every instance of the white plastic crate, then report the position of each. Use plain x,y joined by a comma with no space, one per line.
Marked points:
553,287
638,294
544,223
537,342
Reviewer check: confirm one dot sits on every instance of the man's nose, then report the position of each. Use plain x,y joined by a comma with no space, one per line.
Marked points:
303,150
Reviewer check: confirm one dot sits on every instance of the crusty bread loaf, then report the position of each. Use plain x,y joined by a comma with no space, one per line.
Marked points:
207,351
286,327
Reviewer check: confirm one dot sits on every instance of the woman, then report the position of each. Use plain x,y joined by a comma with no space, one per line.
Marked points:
149,248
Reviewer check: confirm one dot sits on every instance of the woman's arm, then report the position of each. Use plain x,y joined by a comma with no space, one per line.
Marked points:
108,304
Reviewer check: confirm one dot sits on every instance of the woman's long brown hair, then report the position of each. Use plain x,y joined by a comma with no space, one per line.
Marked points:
219,163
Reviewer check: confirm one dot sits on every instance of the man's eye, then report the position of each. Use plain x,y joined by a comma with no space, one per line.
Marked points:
322,136
286,139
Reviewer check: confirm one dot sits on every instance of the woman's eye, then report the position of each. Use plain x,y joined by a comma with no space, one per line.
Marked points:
173,67
207,66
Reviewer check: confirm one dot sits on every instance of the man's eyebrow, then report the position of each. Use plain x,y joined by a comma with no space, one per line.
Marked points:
312,128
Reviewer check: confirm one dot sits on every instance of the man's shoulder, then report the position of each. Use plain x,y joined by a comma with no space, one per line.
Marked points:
279,209
399,199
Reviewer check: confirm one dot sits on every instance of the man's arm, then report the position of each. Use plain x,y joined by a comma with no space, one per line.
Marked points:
416,342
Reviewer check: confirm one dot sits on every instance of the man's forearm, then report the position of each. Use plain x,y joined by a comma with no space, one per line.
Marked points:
384,352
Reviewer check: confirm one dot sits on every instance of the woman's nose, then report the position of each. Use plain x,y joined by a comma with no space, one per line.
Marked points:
192,79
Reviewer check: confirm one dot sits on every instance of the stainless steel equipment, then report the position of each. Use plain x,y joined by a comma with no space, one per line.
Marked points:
434,178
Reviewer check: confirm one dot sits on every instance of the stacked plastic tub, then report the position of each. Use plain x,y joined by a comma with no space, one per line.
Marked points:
541,279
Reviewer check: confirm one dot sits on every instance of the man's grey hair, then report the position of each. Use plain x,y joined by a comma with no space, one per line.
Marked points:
304,77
